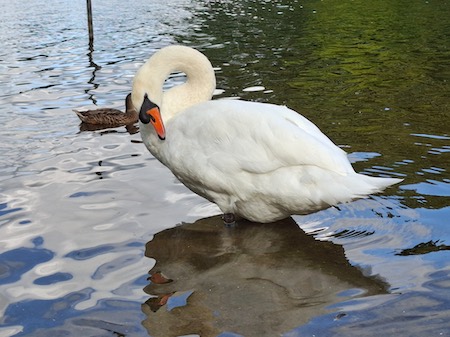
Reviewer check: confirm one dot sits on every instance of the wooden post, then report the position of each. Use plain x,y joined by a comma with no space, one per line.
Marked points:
90,27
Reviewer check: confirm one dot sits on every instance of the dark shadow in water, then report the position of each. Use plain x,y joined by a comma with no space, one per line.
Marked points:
253,279
424,248
131,128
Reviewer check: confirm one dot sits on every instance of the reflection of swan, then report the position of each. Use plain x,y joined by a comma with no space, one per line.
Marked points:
254,279
110,117
261,161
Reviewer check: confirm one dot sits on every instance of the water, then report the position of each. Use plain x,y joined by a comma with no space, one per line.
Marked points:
85,215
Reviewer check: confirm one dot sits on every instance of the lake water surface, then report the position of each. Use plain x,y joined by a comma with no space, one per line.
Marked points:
86,215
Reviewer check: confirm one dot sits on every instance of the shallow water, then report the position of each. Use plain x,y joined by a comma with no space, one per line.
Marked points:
84,215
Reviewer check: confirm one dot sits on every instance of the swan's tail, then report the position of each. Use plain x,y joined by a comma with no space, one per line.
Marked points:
378,183
354,186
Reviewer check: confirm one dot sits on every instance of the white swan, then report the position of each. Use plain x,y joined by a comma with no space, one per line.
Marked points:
260,161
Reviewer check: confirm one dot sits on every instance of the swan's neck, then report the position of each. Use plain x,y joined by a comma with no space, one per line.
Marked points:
199,86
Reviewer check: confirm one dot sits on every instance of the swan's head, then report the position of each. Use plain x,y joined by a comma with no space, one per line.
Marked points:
152,101
150,113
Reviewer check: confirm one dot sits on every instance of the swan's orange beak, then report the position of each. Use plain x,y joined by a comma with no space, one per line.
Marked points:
150,114
156,120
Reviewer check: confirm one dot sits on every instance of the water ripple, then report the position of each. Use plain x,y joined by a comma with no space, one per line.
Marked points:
77,207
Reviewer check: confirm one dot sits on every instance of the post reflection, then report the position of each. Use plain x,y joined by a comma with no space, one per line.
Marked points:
253,279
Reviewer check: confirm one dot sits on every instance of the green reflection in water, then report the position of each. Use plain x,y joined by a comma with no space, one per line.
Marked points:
371,74
374,57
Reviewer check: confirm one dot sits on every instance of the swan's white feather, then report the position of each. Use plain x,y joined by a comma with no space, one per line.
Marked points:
255,137
261,161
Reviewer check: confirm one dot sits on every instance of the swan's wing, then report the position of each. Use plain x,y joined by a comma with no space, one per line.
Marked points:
234,136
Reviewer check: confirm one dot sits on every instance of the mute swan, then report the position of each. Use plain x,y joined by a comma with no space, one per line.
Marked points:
260,161
112,117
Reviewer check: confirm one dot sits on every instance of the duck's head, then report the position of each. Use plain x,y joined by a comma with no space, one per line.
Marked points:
129,103
150,113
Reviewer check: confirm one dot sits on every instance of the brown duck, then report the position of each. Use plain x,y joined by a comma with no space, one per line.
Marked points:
110,117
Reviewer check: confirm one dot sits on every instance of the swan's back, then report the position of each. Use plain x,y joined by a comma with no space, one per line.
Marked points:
260,137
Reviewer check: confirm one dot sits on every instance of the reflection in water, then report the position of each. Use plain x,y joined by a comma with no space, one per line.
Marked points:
131,128
424,248
253,279
95,67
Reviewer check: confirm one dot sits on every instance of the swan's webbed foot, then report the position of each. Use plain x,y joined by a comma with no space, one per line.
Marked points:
229,220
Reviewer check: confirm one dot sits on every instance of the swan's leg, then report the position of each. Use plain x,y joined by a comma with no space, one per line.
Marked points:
229,219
